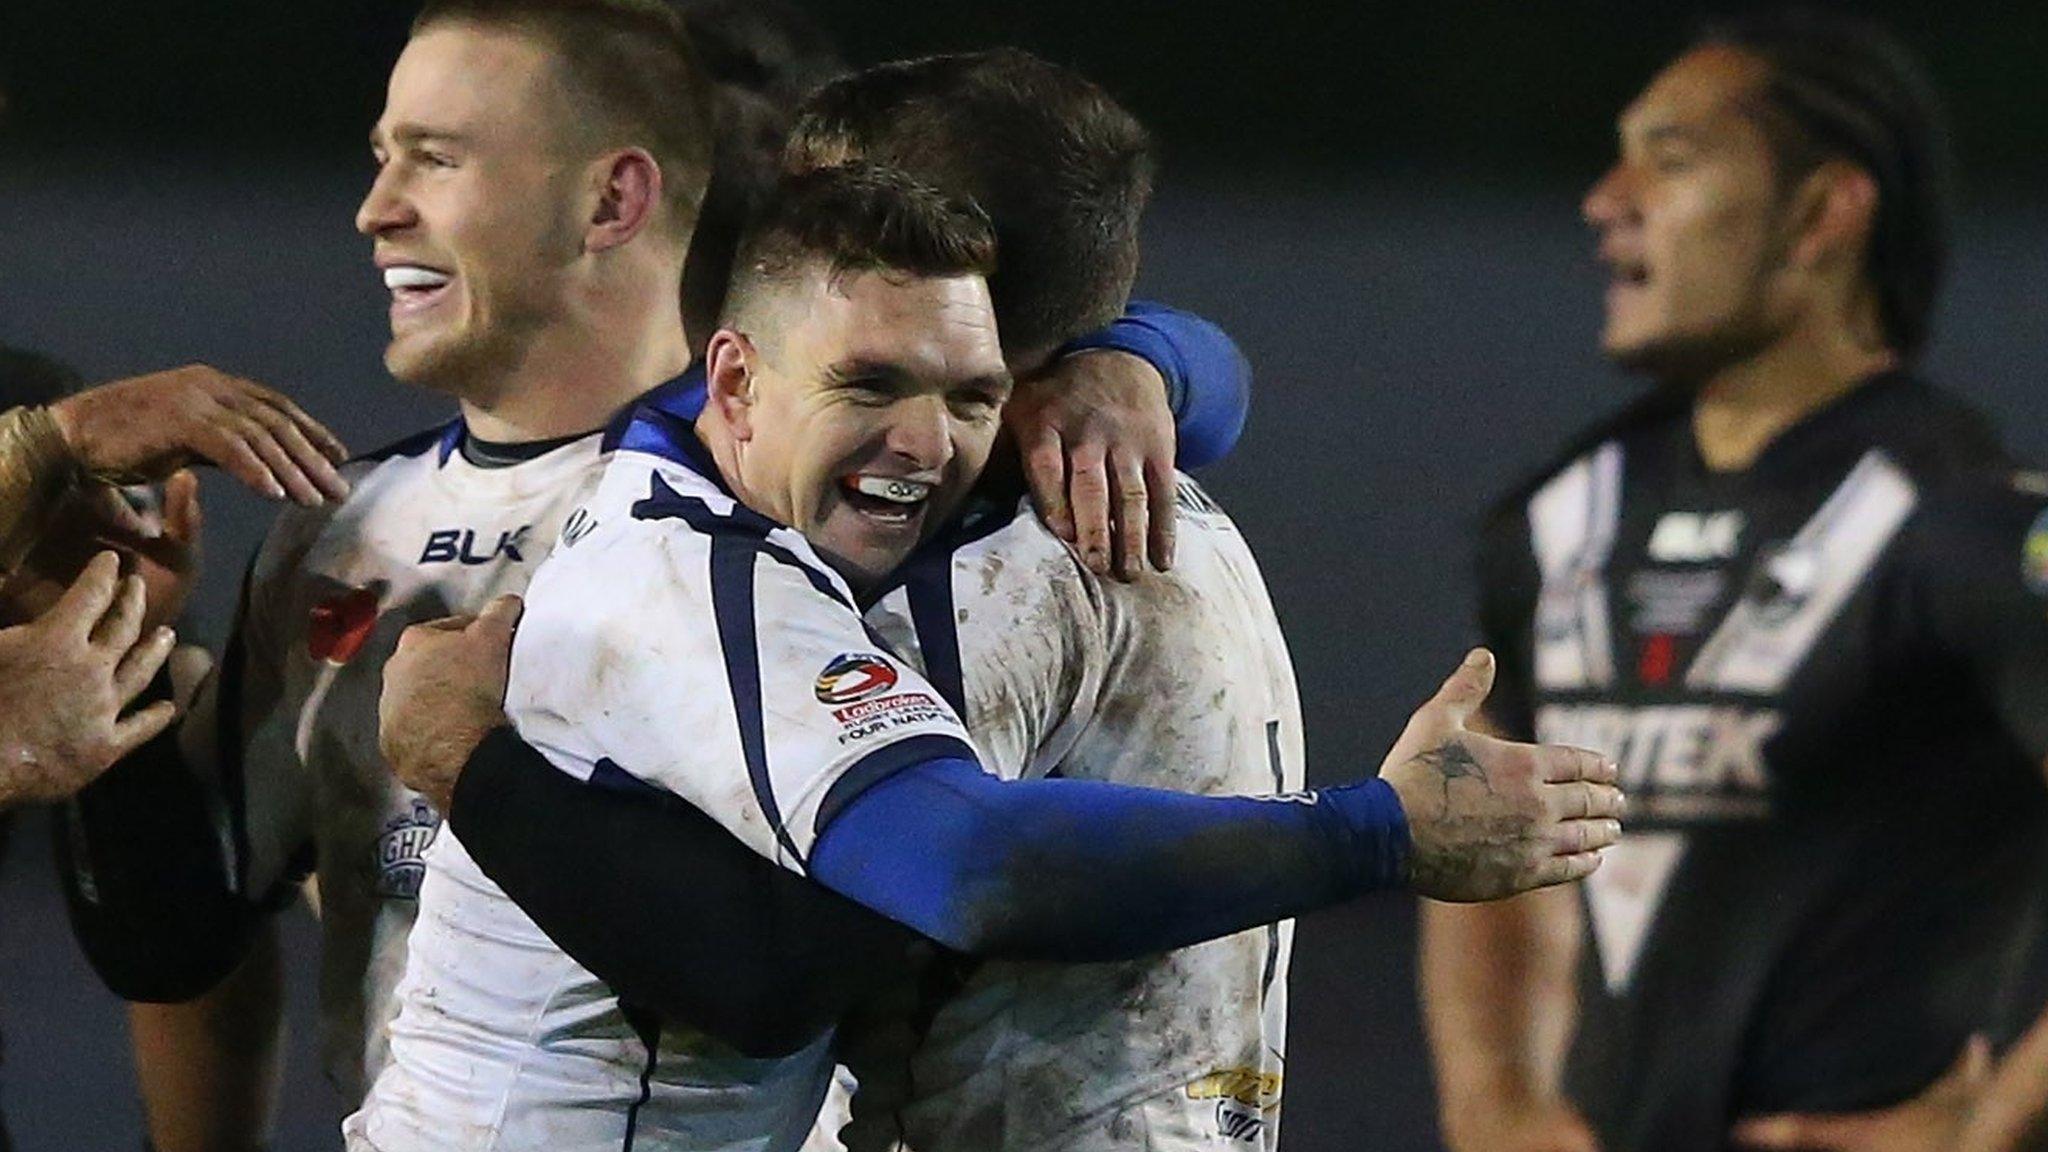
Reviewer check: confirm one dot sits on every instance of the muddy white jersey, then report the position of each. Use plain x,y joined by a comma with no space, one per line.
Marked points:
675,641
1179,681
288,732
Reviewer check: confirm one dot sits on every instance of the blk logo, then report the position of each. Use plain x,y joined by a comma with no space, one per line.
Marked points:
460,546
1695,537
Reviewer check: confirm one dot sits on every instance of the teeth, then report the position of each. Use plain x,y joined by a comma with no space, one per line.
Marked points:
413,276
892,489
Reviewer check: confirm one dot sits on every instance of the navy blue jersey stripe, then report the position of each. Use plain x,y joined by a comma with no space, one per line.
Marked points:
612,778
883,762
930,590
732,606
742,526
419,443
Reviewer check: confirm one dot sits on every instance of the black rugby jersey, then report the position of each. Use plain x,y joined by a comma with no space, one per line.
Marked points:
1825,680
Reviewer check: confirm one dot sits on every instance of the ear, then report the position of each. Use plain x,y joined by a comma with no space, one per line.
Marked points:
1837,207
628,195
729,362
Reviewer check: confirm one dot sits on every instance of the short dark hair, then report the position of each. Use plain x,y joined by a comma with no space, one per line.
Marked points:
630,67
762,58
1842,88
857,218
1062,170
28,378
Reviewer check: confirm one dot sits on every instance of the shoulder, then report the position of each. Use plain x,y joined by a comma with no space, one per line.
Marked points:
1613,437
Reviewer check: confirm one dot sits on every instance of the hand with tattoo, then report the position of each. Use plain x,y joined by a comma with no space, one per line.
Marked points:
1490,818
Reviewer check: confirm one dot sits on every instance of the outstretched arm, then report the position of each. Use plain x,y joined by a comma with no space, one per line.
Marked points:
1455,814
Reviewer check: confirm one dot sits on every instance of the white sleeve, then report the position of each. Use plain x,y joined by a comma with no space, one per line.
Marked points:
721,667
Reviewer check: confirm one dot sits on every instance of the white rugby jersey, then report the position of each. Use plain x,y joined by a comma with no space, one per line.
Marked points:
642,659
679,641
1178,681
289,729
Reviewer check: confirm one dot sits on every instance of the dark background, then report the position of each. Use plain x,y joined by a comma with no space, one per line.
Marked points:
1379,201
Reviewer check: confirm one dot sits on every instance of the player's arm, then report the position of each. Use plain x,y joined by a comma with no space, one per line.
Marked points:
1498,980
167,912
1974,590
1101,429
915,829
738,948
1498,984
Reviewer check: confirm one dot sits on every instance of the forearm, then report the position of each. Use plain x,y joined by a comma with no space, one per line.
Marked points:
1499,997
36,470
665,906
210,1068
1085,871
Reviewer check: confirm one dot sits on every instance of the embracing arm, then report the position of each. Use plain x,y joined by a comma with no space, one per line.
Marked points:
1047,869
1099,436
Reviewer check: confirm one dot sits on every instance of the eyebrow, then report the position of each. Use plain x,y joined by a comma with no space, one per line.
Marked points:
409,135
861,370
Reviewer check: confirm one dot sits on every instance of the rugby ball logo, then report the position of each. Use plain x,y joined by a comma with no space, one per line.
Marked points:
855,676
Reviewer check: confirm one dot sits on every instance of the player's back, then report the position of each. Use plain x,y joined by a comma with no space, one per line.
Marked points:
1178,681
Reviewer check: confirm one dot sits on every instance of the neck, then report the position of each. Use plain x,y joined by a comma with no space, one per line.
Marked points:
1743,407
568,386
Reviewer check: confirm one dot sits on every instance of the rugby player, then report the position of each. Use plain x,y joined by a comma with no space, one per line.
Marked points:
1181,681
1801,596
851,395
540,166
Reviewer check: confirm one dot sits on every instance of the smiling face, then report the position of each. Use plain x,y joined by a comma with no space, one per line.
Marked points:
1691,220
864,407
475,208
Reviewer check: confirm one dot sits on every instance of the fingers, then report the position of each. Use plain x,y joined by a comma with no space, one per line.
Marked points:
1088,491
1796,1132
1561,764
183,519
1583,800
1576,836
1045,470
1567,869
1466,689
310,464
88,598
425,628
140,663
282,468
1972,1067
1160,486
233,455
119,628
132,732
327,443
501,615
1130,527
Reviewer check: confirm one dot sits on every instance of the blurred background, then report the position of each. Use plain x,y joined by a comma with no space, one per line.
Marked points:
1380,201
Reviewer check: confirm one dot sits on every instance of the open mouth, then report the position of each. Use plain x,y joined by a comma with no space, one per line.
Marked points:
414,287
890,499
1628,274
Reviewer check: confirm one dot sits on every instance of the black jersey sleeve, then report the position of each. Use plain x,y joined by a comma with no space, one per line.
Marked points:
1975,583
1507,611
657,900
